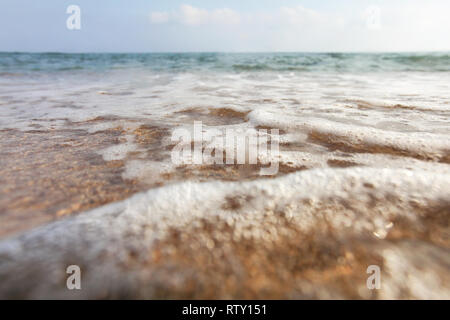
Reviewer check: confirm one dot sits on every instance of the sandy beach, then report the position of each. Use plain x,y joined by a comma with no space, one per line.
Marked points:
87,178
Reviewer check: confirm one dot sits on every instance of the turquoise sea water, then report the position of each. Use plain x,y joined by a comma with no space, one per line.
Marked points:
225,62
43,86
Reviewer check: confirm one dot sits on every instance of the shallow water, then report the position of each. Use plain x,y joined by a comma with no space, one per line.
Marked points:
363,176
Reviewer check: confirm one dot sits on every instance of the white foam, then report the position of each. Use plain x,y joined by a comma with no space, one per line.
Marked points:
420,142
178,204
100,240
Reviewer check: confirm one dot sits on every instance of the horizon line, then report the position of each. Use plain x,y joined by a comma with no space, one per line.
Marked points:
226,52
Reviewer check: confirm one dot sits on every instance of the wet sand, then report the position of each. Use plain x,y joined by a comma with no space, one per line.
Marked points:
50,175
46,175
87,178
245,247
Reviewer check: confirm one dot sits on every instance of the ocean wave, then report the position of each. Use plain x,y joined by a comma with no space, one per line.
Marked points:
228,62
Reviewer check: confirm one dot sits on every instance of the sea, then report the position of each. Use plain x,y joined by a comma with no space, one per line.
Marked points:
87,176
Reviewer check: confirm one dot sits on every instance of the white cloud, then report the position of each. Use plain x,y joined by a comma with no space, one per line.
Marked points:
159,17
192,16
225,16
389,27
299,15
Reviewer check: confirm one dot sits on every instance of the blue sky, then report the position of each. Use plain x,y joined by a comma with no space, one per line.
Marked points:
209,25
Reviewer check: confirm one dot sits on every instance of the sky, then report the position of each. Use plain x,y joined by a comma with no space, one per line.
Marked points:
228,26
